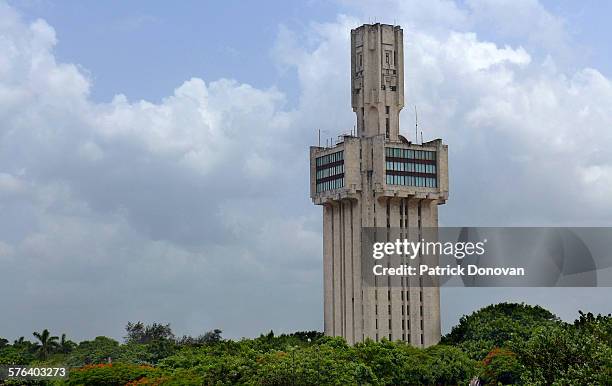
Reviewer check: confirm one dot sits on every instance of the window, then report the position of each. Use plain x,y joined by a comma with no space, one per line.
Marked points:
360,60
387,109
330,171
411,167
387,57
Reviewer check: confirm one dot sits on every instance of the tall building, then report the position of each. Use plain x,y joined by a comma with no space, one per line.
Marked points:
375,177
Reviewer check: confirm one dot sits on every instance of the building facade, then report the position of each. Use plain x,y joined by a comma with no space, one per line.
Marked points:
375,177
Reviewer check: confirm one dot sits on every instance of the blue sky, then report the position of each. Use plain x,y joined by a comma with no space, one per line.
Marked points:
143,49
153,157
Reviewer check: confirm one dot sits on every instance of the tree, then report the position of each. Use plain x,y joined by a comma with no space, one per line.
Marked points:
47,343
496,325
66,345
158,339
568,354
501,366
209,337
95,351
141,333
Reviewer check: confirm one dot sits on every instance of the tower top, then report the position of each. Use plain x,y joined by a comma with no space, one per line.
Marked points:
377,79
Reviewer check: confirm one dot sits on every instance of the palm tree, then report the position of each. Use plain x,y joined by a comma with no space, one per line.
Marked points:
66,345
47,343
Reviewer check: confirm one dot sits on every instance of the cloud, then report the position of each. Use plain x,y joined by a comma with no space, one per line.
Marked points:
131,205
195,210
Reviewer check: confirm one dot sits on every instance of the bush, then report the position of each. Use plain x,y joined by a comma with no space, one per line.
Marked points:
109,374
501,366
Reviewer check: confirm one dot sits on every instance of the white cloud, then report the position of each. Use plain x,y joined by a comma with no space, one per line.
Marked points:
200,203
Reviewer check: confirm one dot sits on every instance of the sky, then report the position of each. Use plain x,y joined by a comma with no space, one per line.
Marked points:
154,156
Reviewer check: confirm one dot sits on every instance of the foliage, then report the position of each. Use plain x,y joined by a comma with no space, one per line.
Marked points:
47,343
157,340
109,374
568,354
501,344
144,334
501,366
66,345
99,350
496,325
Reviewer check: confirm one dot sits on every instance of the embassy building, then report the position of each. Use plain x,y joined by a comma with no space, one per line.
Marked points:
376,178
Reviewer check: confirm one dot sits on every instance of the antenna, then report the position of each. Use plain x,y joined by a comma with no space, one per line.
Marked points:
421,137
319,137
416,125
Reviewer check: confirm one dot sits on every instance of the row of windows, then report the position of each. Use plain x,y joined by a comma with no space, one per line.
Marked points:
327,159
408,153
330,185
428,182
411,167
338,169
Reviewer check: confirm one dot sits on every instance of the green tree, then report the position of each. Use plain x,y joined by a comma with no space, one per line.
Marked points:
66,345
158,340
141,333
501,366
567,354
47,343
496,325
96,351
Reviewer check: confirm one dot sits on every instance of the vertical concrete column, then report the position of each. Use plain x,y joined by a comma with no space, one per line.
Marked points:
356,278
382,298
395,281
336,269
328,271
431,294
414,290
347,289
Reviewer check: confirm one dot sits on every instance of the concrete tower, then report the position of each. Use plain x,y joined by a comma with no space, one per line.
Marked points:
377,178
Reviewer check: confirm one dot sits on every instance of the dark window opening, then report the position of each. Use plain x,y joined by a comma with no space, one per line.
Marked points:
387,126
